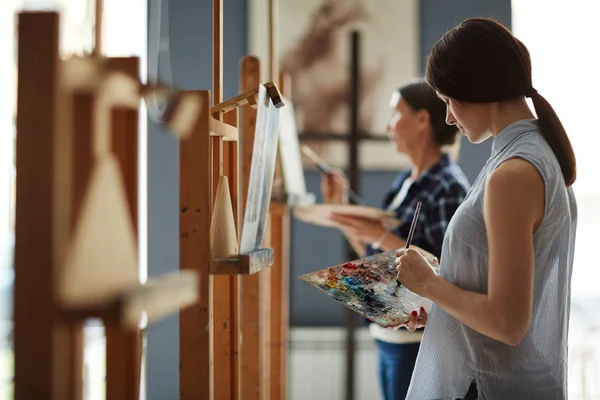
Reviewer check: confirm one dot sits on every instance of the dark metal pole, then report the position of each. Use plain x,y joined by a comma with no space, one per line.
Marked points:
354,136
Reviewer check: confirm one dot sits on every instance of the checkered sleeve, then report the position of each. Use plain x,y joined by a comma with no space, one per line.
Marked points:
438,212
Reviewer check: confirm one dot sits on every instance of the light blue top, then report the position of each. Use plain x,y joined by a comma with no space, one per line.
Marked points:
452,355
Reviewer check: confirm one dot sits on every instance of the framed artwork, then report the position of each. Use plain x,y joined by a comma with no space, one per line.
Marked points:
313,40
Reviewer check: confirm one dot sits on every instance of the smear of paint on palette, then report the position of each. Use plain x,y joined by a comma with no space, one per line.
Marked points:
368,287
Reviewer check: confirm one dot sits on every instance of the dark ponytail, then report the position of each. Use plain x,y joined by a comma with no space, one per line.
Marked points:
480,61
556,136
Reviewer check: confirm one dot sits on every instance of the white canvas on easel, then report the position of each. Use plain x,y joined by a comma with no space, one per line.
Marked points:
262,169
290,156
289,150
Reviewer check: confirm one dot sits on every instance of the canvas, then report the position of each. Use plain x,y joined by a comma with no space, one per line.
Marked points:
290,158
313,40
262,170
368,286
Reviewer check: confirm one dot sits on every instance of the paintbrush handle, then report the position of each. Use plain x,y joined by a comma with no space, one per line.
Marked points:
326,169
413,224
411,232
355,197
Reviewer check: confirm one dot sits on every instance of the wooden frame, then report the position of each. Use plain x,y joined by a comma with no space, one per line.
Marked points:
98,98
215,362
278,281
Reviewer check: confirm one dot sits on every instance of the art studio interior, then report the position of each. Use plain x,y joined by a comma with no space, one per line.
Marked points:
299,200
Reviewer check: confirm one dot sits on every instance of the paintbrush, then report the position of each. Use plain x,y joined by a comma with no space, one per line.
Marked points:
326,169
411,232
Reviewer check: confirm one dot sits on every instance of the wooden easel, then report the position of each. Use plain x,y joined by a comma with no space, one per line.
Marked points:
76,213
353,138
219,336
279,279
254,318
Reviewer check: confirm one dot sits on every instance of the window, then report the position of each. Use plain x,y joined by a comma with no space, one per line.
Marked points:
562,39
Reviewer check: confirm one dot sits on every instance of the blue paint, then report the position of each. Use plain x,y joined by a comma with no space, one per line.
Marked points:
350,282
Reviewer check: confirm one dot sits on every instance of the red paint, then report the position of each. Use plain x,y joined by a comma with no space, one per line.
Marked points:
350,266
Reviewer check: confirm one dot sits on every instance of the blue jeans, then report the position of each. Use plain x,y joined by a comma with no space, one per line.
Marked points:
396,363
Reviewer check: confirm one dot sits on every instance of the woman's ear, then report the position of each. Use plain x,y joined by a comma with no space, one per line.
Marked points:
423,118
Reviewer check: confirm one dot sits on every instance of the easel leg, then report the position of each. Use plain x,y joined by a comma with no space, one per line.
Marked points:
43,349
250,360
195,351
265,321
279,304
230,169
123,363
123,348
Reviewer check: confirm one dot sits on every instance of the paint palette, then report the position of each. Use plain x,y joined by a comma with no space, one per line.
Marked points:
368,286
320,214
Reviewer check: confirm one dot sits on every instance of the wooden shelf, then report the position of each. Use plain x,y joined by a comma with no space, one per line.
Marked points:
95,74
218,128
244,264
182,112
147,303
249,97
159,297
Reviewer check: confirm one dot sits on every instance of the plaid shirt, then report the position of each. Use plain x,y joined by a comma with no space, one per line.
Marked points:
441,190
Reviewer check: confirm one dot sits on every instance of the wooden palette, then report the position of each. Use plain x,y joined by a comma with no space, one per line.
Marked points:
320,214
368,286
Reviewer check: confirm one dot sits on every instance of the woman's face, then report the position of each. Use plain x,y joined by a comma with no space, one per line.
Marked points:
472,119
405,125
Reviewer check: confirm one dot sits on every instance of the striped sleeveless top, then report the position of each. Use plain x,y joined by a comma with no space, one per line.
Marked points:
452,355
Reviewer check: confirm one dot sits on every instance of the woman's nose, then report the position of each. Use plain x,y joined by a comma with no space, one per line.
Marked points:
390,126
450,120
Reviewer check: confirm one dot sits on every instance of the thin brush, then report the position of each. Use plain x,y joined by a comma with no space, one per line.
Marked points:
326,169
411,232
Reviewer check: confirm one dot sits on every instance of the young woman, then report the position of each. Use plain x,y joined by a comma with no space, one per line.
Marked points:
498,327
417,129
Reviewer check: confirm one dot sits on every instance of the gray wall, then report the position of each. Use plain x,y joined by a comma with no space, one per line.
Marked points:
191,52
313,247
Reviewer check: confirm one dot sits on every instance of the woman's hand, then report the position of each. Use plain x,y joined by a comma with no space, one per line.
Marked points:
416,321
363,229
334,187
431,259
414,271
